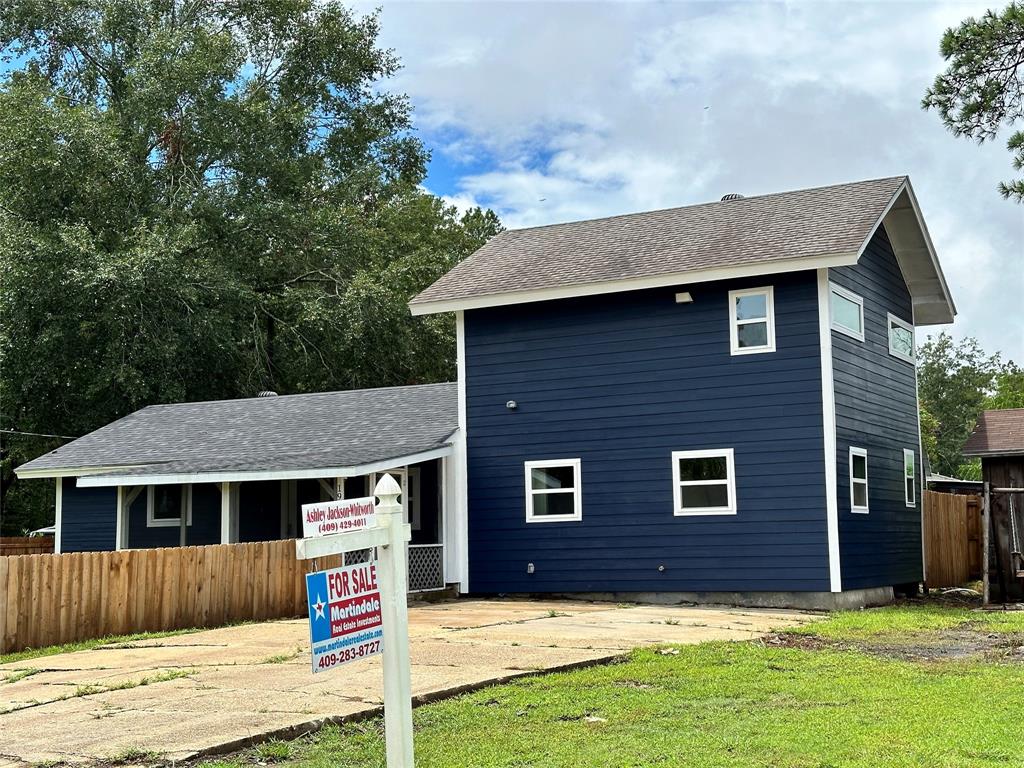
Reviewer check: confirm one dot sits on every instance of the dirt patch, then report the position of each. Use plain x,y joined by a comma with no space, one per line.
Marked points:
961,643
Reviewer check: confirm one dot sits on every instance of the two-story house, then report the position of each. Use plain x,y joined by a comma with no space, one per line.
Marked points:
714,402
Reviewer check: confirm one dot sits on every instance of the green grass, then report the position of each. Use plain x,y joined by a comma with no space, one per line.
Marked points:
908,620
735,705
85,645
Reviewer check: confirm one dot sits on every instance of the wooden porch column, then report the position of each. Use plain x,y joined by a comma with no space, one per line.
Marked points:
121,533
225,513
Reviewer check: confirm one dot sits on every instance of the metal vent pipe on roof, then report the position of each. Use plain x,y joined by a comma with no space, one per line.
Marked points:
267,393
732,196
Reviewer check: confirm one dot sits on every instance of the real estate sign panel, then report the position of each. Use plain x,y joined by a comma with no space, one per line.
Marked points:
344,615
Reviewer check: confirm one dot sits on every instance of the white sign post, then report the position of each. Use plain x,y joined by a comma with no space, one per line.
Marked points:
388,577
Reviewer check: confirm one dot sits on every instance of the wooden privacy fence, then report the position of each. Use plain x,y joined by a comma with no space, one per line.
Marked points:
952,539
52,599
25,545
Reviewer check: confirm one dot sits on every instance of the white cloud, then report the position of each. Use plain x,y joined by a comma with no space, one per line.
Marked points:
593,109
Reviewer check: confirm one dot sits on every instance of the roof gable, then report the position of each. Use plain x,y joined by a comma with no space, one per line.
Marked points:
786,231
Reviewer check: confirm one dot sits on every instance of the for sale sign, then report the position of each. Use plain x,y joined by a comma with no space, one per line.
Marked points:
338,516
344,615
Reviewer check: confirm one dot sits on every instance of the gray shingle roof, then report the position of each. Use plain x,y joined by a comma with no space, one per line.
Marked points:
292,432
997,433
824,221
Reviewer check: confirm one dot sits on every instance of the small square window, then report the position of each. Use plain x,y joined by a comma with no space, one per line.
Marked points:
909,478
901,339
751,321
847,312
704,482
164,504
858,480
553,491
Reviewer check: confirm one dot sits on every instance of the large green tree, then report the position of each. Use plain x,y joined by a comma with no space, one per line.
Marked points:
204,200
982,89
956,382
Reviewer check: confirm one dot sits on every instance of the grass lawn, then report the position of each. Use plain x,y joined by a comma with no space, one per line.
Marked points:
910,685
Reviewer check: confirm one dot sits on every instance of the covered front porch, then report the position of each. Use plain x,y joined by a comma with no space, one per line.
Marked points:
169,512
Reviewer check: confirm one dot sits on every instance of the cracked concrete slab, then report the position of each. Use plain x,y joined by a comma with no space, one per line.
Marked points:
208,691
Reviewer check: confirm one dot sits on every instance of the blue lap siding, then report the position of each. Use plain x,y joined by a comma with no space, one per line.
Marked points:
876,409
620,381
88,518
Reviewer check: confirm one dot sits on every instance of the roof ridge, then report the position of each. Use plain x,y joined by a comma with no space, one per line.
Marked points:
297,395
740,200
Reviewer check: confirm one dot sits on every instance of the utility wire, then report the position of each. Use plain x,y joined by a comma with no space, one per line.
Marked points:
35,434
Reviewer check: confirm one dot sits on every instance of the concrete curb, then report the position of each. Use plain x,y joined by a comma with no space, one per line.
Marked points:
311,726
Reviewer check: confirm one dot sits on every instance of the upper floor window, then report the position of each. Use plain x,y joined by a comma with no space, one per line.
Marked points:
858,480
553,491
909,478
164,505
751,321
847,312
704,482
901,339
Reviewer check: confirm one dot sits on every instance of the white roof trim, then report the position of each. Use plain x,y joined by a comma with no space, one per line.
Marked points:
28,474
635,283
904,251
155,478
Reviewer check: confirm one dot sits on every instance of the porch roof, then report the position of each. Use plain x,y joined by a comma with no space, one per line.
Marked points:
326,434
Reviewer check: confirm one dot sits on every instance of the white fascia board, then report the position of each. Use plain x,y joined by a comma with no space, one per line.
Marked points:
29,474
635,283
931,248
906,189
99,481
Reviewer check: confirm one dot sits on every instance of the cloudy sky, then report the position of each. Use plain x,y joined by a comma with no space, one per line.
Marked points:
554,111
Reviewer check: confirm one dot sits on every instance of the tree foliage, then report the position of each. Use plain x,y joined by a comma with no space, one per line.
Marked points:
982,89
956,382
204,200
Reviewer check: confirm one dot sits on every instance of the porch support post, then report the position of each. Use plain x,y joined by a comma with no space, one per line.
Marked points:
225,513
339,488
121,534
58,510
186,508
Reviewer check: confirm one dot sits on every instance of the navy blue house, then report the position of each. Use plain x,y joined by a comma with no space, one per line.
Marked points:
715,402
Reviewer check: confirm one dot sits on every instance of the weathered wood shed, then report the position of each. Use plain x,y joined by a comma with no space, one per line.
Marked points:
998,439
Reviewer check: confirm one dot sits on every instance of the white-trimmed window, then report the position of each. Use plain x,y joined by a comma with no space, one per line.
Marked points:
858,480
751,321
901,338
847,311
909,478
704,482
164,504
553,492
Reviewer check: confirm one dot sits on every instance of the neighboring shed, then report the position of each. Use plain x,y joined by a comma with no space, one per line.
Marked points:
947,484
998,439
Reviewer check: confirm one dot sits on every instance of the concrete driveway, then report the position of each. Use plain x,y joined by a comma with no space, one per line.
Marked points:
218,689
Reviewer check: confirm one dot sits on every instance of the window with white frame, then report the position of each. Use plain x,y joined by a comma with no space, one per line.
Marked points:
553,492
858,480
751,321
847,311
704,482
164,504
901,339
909,478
